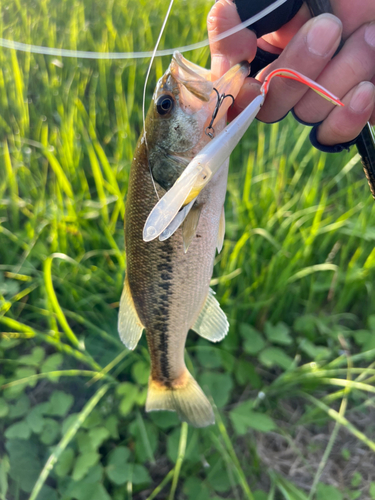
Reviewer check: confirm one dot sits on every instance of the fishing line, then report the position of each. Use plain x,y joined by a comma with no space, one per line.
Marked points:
145,88
82,54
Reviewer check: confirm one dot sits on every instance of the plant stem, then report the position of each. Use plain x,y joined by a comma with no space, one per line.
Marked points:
180,458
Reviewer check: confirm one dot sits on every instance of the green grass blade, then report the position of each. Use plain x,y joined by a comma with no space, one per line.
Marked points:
180,459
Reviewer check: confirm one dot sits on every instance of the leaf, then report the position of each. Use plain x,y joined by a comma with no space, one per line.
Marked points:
274,356
219,479
244,417
47,493
118,469
140,474
4,469
35,418
164,419
94,475
65,462
306,325
33,359
172,444
20,408
83,463
195,489
111,424
98,436
85,491
4,408
130,391
20,430
68,422
245,374
209,356
278,334
141,372
253,340
60,403
371,322
93,420
260,495
218,385
361,336
127,404
25,464
313,351
126,389
21,373
52,363
145,437
192,450
356,479
372,490
326,492
84,442
51,431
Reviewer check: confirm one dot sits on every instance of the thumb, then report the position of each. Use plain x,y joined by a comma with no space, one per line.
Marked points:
231,50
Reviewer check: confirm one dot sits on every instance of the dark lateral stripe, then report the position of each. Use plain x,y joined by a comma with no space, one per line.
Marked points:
161,309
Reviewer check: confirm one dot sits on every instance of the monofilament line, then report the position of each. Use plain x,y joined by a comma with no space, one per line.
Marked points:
82,54
145,88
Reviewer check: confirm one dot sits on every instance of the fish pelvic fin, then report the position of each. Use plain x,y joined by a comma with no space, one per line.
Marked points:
183,396
190,225
129,325
221,232
212,323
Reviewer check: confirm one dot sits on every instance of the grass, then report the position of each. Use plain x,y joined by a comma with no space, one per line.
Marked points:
295,278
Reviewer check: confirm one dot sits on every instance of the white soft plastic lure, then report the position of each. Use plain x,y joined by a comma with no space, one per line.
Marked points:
203,166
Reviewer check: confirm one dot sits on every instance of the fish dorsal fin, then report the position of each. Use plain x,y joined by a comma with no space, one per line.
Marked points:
129,325
211,324
176,222
190,226
221,233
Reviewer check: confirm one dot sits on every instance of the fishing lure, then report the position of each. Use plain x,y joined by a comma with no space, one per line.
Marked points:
200,170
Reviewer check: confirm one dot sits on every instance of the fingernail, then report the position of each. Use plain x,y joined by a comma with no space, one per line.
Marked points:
370,35
362,97
324,33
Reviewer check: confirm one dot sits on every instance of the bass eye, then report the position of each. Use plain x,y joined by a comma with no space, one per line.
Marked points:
164,104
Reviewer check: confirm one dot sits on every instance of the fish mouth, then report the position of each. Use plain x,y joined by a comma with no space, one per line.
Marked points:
197,91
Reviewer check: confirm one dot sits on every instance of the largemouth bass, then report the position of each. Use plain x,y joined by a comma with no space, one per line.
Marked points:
166,289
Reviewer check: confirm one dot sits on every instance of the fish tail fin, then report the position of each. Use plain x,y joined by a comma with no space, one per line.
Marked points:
183,396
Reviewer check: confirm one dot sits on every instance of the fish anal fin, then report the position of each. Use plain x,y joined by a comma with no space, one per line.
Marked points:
189,226
212,323
221,233
129,325
183,396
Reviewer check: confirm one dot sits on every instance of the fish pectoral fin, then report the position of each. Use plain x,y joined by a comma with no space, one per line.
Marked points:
129,325
212,323
221,233
189,226
183,396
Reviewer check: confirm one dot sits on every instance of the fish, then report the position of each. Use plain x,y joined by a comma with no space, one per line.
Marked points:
166,289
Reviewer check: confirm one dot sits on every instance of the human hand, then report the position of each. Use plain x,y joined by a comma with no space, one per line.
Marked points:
308,45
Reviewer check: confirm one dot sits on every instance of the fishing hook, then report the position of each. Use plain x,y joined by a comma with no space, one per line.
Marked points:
210,131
